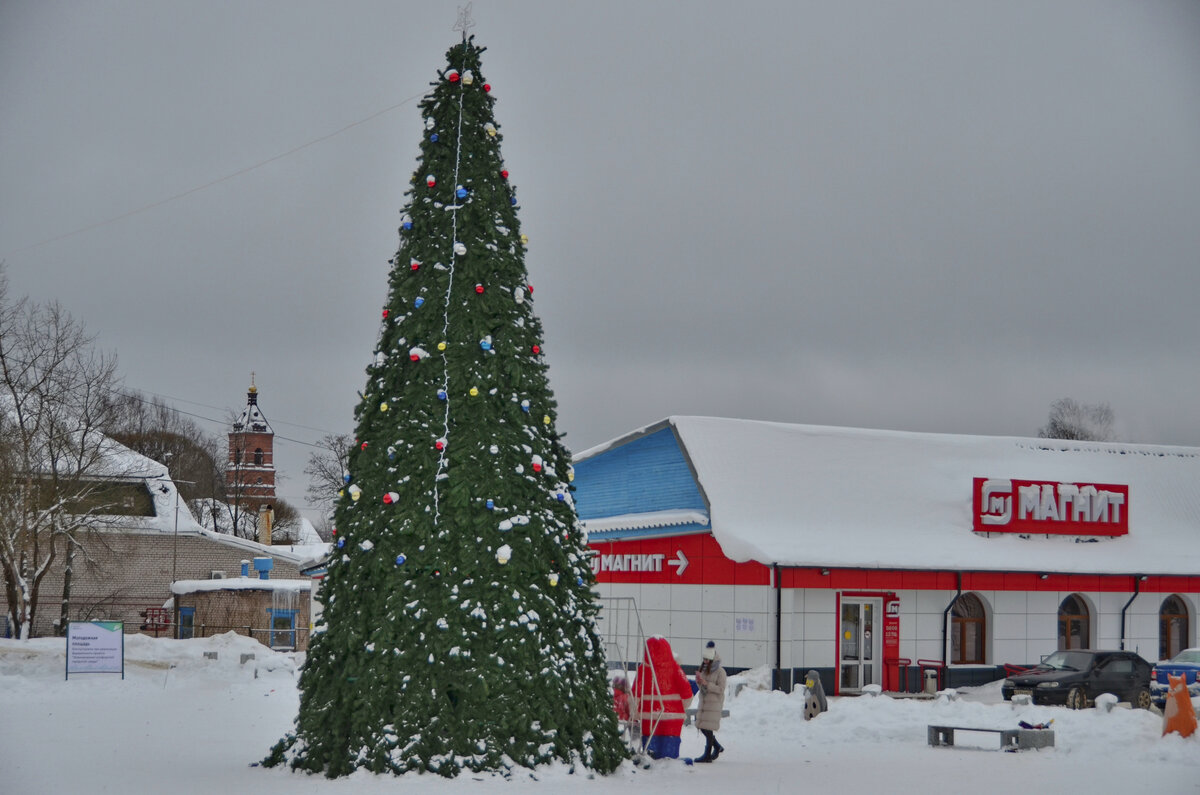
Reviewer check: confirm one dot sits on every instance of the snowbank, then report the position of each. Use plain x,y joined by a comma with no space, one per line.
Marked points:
199,724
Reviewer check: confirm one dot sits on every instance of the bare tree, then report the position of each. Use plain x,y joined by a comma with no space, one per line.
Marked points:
1078,421
57,469
326,472
156,430
285,527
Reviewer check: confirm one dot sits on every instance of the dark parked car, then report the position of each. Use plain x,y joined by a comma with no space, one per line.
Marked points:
1074,678
1186,663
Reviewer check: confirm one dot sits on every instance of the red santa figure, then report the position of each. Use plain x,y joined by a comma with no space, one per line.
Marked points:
662,693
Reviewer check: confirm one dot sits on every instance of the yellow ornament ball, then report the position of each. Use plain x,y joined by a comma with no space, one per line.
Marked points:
383,406
546,419
554,579
490,129
524,240
474,391
441,346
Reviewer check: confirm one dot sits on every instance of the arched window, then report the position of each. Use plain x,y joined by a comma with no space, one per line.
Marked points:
237,455
1074,623
968,631
258,457
1172,627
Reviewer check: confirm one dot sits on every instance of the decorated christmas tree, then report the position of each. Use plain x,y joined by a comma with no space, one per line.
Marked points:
459,624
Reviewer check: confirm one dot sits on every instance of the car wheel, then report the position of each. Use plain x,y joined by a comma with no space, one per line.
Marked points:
1077,698
1140,699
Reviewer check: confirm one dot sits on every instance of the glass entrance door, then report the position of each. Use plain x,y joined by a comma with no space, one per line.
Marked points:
859,644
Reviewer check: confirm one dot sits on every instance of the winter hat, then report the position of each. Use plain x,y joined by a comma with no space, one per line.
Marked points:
710,651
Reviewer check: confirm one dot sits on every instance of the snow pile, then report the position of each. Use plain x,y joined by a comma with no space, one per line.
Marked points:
200,723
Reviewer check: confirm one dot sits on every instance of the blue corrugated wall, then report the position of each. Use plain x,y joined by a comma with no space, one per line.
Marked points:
647,474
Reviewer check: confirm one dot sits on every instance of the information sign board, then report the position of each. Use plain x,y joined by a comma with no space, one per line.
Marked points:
96,647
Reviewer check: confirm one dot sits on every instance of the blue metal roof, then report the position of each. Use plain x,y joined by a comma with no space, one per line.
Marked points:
647,474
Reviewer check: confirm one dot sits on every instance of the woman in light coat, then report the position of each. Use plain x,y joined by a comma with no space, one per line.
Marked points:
710,676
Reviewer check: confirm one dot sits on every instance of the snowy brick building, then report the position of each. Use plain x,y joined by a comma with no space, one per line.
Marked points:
876,556
149,540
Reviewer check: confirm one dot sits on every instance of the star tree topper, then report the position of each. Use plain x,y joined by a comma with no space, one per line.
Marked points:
464,23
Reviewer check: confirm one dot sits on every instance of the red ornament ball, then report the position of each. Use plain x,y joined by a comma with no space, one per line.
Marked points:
504,173
487,87
452,76
387,499
416,265
385,314
364,445
430,181
415,357
537,467
536,349
479,289
529,287
439,444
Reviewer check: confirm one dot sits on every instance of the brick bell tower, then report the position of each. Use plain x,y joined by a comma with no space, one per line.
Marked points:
250,470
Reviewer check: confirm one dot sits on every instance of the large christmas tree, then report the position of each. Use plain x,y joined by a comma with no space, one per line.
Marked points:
459,623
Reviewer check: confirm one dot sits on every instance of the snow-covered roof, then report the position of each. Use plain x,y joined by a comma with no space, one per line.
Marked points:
252,419
641,521
845,497
239,584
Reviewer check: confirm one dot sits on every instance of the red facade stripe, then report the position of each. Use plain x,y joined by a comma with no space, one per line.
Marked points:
708,565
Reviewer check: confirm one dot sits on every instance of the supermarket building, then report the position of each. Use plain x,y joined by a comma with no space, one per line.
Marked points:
878,557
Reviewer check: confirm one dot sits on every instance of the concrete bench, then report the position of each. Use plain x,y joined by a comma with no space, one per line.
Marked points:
1010,739
689,716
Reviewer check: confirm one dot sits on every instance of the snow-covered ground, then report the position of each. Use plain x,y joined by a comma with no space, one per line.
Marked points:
182,723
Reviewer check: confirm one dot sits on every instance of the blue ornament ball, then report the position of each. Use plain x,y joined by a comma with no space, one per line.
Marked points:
345,478
400,560
487,346
461,193
341,543
579,580
419,302
407,224
491,505
441,394
561,496
514,201
434,138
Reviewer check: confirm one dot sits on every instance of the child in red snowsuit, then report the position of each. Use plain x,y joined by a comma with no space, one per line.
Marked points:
621,698
662,693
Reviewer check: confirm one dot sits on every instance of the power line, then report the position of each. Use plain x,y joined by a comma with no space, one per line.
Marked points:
138,396
141,399
211,183
226,408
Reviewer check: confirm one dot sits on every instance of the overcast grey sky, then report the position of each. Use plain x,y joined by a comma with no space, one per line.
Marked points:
929,216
